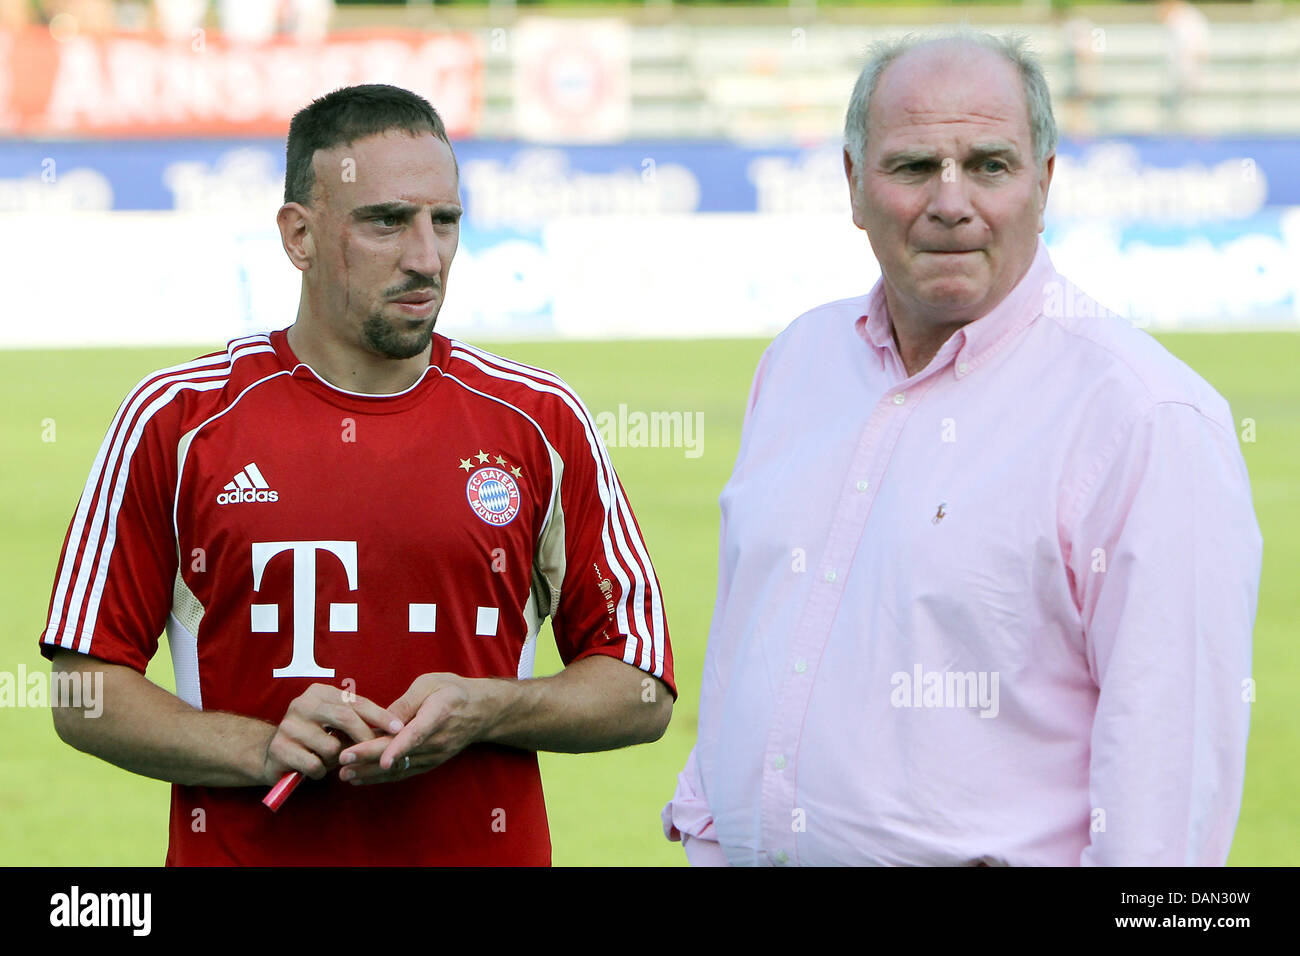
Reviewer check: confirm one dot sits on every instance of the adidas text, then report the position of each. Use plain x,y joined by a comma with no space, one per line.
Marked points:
246,495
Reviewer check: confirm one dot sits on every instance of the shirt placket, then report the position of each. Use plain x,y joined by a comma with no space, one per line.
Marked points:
782,818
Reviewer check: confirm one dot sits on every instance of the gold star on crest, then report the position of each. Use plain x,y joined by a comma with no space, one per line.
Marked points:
500,460
515,472
482,455
464,463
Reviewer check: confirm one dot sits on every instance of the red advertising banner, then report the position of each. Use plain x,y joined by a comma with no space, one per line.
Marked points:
148,86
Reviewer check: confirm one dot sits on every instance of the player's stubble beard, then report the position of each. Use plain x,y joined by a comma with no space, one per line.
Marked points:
382,335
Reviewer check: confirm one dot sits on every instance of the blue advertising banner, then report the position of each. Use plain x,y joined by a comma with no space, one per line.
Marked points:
511,184
591,241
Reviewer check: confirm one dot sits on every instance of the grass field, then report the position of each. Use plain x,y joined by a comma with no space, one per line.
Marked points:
61,807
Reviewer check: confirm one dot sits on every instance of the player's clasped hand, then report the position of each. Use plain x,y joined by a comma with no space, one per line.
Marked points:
304,740
443,714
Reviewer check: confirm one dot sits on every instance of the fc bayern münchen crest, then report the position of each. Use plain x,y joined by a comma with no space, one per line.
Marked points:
493,495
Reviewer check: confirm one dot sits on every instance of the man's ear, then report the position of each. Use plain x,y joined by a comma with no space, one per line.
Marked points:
856,199
1044,183
294,221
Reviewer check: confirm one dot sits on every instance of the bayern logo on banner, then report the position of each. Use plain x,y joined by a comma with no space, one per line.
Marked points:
493,495
571,80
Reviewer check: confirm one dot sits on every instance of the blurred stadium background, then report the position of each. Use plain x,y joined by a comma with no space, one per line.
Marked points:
661,172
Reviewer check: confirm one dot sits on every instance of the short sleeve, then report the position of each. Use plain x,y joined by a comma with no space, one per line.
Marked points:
113,587
609,600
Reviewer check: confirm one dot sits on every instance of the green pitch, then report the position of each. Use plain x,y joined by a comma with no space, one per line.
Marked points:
61,807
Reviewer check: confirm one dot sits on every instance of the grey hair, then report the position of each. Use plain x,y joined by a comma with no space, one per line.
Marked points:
1014,48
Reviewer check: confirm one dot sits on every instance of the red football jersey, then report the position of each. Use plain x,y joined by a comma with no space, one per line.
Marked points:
284,532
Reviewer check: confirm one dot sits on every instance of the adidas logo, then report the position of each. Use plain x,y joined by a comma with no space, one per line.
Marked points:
248,485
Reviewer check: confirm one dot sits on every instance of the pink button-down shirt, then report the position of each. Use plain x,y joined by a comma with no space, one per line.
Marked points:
999,611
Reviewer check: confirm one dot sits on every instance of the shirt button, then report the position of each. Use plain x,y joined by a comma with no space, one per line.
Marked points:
962,368
779,761
899,399
781,857
830,576
800,666
862,486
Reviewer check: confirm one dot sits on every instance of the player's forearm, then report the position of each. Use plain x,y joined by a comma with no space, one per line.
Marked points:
145,729
597,703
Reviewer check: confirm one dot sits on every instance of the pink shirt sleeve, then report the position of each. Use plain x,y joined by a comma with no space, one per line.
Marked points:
1165,558
686,816
702,852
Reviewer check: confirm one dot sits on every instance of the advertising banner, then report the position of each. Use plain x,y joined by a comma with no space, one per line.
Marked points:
133,85
504,183
176,239
203,278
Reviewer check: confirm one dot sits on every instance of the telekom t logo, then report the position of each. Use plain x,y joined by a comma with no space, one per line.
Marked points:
265,617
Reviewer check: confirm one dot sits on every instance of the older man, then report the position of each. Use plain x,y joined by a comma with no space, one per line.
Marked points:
988,564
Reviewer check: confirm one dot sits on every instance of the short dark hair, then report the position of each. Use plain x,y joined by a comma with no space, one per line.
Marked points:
345,116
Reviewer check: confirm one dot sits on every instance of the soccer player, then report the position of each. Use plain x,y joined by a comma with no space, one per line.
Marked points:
351,531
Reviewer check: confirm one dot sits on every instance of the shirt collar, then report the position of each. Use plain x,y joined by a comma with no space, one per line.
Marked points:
974,342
